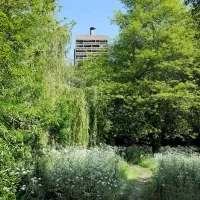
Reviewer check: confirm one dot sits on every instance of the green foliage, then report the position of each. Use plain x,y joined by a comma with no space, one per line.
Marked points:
39,105
88,80
160,67
177,177
131,172
135,153
148,162
68,120
77,173
15,154
7,172
195,11
187,150
149,77
145,89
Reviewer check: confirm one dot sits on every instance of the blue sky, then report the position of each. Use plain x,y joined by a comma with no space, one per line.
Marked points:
89,13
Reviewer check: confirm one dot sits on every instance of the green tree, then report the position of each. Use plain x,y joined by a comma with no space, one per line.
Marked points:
195,11
149,76
159,62
37,101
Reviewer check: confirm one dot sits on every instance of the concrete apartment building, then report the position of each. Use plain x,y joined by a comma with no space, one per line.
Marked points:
87,45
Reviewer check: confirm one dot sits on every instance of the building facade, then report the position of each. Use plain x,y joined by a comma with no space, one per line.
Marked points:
89,45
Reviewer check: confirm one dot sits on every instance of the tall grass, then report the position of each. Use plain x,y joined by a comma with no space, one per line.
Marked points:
76,173
177,177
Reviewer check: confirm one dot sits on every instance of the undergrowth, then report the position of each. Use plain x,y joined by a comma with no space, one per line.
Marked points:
176,178
77,173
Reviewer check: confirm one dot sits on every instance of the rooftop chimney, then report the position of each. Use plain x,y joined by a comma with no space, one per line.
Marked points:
92,30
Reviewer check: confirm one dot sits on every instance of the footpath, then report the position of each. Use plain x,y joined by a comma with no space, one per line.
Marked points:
137,181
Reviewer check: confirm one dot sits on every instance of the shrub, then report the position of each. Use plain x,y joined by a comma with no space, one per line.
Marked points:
75,173
177,177
133,154
180,149
14,156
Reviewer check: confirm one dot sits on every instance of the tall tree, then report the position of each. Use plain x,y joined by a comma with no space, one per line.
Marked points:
36,99
159,62
150,74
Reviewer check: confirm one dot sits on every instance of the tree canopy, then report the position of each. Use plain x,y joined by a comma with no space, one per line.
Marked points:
151,73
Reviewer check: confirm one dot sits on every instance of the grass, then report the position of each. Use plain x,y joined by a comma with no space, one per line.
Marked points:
177,177
129,172
135,177
149,163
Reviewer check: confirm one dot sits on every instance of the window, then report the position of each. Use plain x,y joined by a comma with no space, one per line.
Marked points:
103,42
85,41
79,41
87,45
95,45
80,50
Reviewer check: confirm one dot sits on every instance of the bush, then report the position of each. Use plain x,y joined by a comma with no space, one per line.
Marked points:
135,153
75,173
177,177
14,155
180,149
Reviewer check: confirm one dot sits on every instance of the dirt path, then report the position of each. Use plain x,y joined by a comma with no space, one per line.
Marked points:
138,184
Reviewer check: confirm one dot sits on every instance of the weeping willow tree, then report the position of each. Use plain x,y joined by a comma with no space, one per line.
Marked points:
67,121
94,76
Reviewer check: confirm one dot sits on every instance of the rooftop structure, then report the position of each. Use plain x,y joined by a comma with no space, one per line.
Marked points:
87,45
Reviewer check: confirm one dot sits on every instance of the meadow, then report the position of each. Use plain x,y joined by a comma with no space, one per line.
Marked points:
110,173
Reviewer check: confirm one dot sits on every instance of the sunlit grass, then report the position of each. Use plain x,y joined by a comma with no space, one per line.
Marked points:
150,163
133,172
